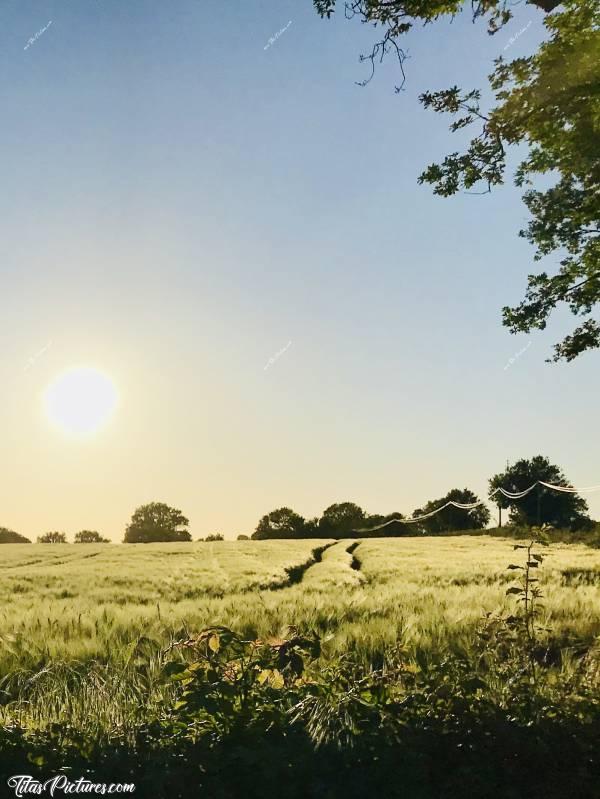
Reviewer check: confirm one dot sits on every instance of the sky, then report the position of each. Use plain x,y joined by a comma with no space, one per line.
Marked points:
199,201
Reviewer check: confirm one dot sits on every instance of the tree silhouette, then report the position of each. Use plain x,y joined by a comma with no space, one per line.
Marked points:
10,537
157,522
90,537
280,523
378,526
340,520
542,505
52,538
452,518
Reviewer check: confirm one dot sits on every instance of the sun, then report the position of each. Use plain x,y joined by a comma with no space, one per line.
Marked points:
80,401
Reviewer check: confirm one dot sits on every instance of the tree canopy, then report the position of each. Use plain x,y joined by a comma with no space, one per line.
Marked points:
452,518
378,525
10,537
557,508
340,520
52,538
280,523
90,537
157,522
547,105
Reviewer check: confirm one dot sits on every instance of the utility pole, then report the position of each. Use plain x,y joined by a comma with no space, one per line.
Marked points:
500,506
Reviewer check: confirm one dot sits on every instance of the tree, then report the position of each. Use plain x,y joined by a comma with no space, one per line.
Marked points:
311,528
451,518
558,508
90,537
341,520
547,105
378,526
280,523
10,537
157,522
215,537
242,537
52,538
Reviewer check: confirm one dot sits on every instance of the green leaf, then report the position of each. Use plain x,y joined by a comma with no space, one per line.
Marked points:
276,680
174,668
264,676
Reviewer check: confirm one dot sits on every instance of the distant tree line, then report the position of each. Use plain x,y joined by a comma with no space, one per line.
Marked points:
82,537
540,506
54,537
348,520
158,522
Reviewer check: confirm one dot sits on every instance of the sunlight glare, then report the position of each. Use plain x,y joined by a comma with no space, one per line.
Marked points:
80,401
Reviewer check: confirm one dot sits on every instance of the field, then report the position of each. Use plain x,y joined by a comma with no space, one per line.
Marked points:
83,628
89,602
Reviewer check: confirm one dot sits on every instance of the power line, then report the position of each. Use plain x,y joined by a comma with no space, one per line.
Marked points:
473,505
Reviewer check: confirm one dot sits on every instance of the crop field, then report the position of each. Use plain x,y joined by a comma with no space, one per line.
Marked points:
89,636
89,602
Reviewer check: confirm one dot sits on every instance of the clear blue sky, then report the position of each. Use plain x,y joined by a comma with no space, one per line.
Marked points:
179,203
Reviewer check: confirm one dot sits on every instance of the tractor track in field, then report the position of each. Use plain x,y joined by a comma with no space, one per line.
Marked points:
295,574
74,558
355,563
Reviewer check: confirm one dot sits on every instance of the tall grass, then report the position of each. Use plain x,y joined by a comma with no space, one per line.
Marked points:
84,604
85,637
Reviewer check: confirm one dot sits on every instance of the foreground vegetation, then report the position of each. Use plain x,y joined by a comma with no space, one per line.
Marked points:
337,668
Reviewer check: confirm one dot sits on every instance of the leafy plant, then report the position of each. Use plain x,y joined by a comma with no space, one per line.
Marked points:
230,683
512,643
